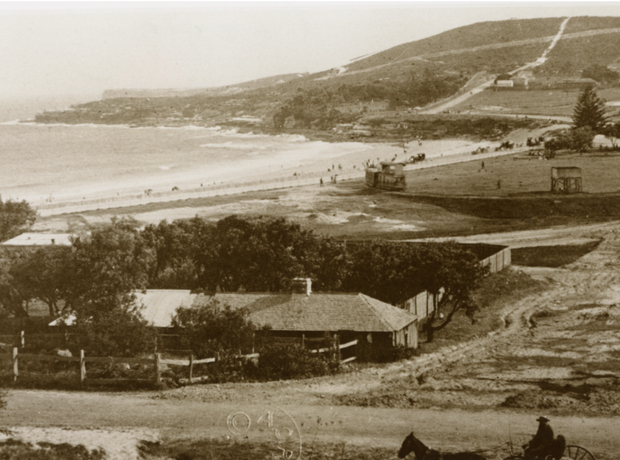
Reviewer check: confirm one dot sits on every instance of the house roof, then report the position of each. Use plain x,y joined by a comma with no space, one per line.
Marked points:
160,304
316,312
283,312
40,239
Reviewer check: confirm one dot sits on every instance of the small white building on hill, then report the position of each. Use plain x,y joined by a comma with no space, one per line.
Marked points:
39,239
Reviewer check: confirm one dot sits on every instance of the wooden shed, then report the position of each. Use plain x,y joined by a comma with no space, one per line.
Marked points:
566,180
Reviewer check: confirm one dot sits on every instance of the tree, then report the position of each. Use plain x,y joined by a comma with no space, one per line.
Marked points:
214,327
108,266
578,139
612,132
15,218
600,73
43,275
258,254
395,272
12,299
582,138
453,274
175,247
589,111
384,270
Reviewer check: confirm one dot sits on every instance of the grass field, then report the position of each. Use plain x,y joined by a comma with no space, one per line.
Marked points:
534,102
551,256
519,175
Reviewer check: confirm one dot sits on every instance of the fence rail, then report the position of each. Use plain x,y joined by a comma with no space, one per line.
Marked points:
156,361
82,360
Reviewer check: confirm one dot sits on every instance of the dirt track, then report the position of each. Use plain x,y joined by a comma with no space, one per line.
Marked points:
172,419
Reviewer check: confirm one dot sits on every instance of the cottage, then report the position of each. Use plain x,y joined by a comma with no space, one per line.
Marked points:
375,324
519,82
504,83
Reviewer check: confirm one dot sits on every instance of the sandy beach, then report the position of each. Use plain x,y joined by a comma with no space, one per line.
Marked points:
73,168
238,163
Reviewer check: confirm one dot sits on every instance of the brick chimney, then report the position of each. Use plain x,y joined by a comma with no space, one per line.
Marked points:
301,286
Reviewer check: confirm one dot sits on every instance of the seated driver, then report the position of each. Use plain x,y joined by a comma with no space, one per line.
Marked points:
542,444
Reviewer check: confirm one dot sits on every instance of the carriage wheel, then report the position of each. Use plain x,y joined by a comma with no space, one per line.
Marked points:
578,453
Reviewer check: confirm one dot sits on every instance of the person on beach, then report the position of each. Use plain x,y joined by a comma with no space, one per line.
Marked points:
321,182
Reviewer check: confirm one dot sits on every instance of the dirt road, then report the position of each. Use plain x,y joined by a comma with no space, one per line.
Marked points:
462,98
173,419
559,235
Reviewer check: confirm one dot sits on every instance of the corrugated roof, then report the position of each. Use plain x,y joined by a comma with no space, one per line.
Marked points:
160,304
317,312
40,239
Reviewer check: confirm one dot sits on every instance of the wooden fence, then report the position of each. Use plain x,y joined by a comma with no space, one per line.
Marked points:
190,362
156,361
82,360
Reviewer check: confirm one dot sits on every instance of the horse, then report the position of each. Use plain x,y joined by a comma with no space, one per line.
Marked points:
422,452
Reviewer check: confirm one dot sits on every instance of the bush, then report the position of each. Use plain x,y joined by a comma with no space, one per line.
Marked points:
215,328
286,361
392,354
15,450
119,333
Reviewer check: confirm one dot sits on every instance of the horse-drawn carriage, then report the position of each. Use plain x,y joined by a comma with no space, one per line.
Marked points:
571,451
422,452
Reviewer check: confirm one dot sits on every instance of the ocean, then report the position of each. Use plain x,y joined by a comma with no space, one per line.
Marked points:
57,163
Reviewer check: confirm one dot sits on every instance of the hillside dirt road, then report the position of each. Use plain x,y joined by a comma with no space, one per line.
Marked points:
463,97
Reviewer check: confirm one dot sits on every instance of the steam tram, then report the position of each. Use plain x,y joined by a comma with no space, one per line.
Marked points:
389,176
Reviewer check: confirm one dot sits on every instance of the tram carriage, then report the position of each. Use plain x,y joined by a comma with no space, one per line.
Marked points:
390,176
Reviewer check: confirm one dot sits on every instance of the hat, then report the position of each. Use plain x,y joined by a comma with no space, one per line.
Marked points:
542,418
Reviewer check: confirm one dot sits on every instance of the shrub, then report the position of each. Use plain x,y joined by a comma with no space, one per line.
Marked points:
392,354
119,333
213,328
14,450
286,361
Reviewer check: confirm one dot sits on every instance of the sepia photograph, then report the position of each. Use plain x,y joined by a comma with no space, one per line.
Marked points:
348,230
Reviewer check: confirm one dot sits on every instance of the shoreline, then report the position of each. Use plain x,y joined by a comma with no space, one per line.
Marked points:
241,161
272,182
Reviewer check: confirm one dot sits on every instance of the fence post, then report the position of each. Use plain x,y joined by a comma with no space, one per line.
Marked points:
15,365
303,341
217,365
22,338
338,356
82,368
157,368
191,367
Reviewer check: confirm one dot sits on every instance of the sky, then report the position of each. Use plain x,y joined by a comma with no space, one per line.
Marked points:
80,49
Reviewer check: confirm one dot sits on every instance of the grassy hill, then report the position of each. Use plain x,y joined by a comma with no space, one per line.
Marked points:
480,34
335,104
